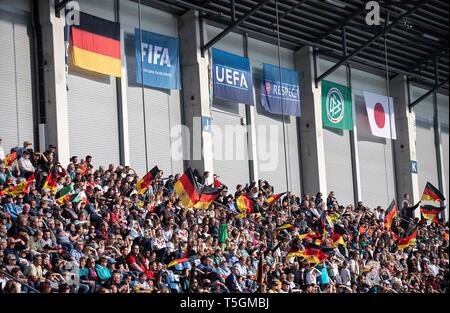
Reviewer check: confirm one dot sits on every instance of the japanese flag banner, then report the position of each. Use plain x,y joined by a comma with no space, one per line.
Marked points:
380,111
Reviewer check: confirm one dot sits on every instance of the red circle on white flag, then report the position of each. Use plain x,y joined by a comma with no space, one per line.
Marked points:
380,117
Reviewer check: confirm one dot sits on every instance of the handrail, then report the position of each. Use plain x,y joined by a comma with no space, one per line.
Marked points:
18,281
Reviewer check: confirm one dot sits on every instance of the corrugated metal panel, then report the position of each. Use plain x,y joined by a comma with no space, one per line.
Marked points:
425,141
92,105
443,121
259,53
162,107
16,80
375,154
232,170
338,158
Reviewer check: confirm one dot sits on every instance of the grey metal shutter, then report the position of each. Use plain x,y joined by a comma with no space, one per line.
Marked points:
16,80
259,53
231,172
162,107
236,171
443,109
425,142
92,105
375,154
338,157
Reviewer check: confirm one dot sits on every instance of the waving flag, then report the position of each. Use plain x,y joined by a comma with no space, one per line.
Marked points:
10,158
273,199
391,213
187,189
337,234
380,111
409,238
285,226
245,204
431,203
208,195
144,182
316,254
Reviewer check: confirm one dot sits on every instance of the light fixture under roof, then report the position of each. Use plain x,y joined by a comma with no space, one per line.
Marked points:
431,37
337,3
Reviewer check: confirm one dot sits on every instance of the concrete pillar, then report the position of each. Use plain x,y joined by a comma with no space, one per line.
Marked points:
56,109
196,101
311,131
405,145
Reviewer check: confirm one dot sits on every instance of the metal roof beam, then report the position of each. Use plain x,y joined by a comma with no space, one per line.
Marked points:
295,7
233,25
343,23
373,39
426,95
425,61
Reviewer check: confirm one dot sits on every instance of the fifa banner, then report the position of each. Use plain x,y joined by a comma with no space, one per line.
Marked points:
160,60
337,106
232,79
280,96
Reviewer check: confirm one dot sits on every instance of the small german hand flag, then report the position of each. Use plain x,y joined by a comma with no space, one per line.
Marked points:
96,45
182,260
144,182
245,204
285,226
273,199
337,234
187,189
391,213
409,238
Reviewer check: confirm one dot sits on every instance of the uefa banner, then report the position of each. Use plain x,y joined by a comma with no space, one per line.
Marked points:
280,96
232,79
336,106
160,60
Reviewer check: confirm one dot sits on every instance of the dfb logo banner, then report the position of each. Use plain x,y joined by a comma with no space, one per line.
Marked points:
336,106
280,96
232,79
160,60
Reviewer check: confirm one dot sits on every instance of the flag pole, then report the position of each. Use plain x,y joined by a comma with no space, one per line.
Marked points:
282,109
388,90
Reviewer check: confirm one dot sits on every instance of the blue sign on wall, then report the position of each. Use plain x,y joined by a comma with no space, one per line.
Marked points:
414,168
160,59
206,124
232,79
274,93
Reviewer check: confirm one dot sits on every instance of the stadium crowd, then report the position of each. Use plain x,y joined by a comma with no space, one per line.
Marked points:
97,234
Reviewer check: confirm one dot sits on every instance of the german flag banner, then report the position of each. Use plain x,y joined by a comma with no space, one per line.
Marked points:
273,199
208,195
391,213
245,204
144,182
432,194
430,212
187,189
96,45
409,238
